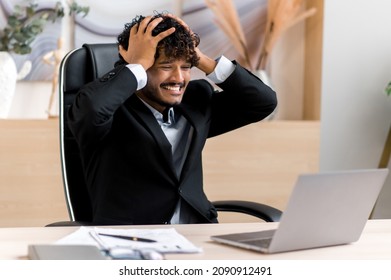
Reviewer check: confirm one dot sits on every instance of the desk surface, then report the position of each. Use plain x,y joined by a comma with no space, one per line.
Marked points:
375,242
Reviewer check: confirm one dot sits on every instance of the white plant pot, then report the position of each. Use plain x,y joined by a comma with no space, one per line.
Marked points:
8,78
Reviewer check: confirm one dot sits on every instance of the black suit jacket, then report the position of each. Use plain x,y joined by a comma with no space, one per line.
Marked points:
127,158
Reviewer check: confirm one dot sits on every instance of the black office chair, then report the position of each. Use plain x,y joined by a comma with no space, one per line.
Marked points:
79,67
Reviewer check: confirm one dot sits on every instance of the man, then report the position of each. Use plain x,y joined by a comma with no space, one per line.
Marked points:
142,127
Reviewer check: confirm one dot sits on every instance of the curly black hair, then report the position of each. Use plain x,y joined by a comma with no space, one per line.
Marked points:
180,44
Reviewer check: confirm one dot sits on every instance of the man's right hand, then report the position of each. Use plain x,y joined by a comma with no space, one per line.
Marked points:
142,45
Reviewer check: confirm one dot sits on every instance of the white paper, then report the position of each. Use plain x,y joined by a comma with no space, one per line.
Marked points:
167,240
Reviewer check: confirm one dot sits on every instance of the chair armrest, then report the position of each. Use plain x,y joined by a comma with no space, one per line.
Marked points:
262,211
259,210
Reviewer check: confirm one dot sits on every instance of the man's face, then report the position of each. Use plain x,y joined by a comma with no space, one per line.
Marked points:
167,81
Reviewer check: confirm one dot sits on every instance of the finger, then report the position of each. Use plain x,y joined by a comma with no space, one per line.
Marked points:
134,29
152,24
165,34
196,39
179,20
144,23
122,51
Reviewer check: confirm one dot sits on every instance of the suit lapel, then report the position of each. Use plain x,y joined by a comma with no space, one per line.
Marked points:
147,118
194,118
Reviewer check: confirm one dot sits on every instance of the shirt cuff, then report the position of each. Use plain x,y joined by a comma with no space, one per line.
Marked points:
223,70
139,73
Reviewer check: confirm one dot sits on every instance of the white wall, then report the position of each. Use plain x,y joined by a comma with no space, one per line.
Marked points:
286,71
355,111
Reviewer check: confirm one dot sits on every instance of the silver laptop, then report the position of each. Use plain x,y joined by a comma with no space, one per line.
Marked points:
324,209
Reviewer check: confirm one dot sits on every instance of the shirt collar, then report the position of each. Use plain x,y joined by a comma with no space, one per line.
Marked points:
159,116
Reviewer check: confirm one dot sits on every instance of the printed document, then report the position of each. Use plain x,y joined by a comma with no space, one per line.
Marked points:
160,240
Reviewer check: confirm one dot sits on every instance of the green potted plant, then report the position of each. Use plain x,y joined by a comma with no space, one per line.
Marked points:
388,89
23,26
27,22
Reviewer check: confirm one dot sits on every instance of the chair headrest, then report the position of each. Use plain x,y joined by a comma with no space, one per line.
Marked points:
88,63
103,57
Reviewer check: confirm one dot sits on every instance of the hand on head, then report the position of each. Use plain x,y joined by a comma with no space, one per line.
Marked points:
143,40
142,44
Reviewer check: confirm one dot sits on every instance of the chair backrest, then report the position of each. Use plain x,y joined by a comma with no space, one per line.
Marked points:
77,68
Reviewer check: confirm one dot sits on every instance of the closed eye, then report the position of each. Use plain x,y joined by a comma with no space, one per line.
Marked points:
186,68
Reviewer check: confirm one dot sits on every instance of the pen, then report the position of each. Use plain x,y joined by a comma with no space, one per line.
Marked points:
131,238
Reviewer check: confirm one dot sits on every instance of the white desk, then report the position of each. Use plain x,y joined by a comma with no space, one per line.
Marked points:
375,242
